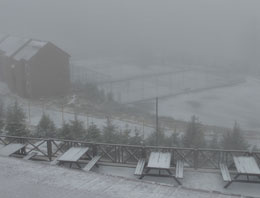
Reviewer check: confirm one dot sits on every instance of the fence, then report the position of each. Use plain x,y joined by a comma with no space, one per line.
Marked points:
48,149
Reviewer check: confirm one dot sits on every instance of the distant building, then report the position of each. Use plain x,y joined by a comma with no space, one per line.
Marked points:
33,68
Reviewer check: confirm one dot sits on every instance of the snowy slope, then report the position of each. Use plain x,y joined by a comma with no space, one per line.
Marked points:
219,106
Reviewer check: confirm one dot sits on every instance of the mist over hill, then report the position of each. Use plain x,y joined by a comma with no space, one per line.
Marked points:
201,32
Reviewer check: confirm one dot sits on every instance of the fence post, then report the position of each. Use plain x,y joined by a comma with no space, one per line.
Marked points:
143,152
196,158
94,150
49,149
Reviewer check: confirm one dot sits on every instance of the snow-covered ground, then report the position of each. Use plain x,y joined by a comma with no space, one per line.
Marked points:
19,178
200,180
132,83
220,107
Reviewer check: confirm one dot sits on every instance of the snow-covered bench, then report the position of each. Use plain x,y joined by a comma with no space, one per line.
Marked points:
179,169
30,155
92,163
140,167
224,172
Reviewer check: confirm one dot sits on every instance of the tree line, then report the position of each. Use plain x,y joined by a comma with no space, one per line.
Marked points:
13,123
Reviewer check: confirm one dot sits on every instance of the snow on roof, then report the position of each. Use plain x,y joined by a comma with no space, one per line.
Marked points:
11,44
30,50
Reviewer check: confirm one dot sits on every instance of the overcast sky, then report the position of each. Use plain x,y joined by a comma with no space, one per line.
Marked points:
214,30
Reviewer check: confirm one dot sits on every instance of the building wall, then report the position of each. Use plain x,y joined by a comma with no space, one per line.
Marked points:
49,73
1,69
9,73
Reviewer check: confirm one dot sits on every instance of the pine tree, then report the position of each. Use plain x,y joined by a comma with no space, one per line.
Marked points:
93,133
65,132
234,140
109,132
194,136
46,127
78,130
175,140
2,116
124,135
136,139
214,143
16,121
156,138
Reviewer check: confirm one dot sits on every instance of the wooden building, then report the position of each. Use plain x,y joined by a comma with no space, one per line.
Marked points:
33,68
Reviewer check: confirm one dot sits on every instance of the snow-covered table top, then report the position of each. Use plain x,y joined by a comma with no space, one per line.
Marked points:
73,154
246,165
10,149
159,160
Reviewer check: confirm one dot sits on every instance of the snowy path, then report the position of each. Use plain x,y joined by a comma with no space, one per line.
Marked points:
19,178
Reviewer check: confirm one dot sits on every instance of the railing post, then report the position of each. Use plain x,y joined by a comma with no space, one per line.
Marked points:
94,150
196,159
143,152
49,149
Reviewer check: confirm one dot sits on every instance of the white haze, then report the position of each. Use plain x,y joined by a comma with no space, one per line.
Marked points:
202,32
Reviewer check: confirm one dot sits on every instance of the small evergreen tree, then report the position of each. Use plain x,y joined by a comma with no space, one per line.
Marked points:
156,138
136,139
15,121
93,133
194,136
65,132
46,127
109,132
74,130
173,140
214,142
78,130
234,140
124,136
2,116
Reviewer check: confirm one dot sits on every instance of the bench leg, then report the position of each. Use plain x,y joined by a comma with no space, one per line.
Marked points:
228,184
78,165
146,172
177,180
174,177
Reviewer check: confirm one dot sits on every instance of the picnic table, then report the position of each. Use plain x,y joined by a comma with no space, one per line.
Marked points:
247,168
73,155
11,149
161,162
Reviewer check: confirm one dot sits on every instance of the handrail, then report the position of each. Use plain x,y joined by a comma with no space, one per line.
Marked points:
129,154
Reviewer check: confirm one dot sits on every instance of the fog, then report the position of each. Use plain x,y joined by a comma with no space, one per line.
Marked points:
201,32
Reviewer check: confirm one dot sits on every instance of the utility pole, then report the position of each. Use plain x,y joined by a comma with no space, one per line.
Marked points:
62,112
157,123
29,112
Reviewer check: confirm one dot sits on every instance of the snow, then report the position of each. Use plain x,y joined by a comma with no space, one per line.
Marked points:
11,44
220,106
201,180
30,50
159,160
19,178
73,154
